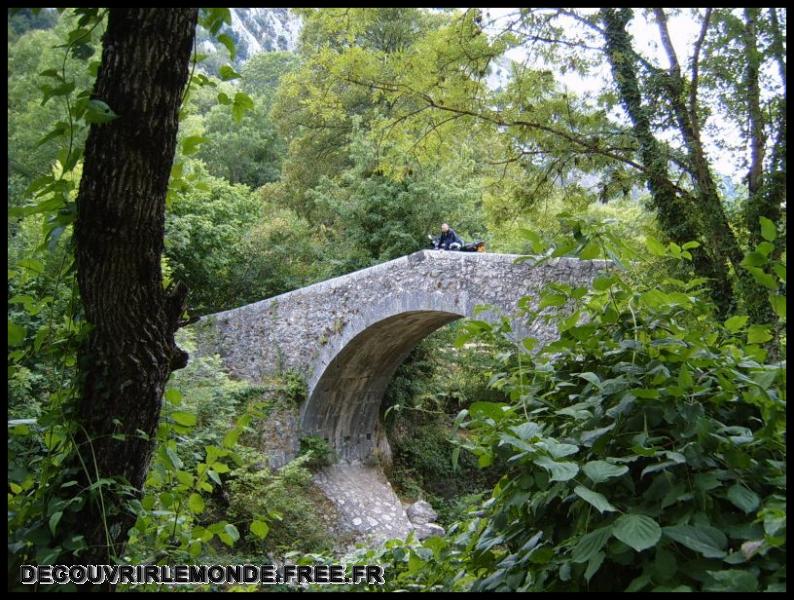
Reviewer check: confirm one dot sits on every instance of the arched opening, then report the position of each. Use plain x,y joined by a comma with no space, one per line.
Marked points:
344,405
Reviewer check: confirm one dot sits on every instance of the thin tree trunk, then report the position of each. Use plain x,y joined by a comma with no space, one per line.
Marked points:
674,211
119,231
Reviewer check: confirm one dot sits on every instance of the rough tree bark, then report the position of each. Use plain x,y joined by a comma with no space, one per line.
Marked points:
119,231
698,215
675,212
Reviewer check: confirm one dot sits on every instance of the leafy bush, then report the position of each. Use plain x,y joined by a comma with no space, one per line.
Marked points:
318,451
645,450
299,515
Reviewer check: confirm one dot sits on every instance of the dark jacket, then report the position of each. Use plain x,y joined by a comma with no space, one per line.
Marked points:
448,238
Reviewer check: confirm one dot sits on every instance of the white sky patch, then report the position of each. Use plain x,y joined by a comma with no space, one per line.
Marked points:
684,30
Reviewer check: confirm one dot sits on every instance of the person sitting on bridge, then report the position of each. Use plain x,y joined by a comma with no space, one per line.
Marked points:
449,238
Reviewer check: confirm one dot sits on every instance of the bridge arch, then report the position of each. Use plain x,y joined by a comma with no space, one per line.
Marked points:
346,393
348,335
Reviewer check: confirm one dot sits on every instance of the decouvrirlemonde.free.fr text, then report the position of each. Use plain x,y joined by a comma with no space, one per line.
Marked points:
201,574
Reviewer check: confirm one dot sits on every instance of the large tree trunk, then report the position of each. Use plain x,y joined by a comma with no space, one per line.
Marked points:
676,213
119,231
700,215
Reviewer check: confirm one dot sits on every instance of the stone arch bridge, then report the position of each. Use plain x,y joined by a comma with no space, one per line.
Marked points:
348,335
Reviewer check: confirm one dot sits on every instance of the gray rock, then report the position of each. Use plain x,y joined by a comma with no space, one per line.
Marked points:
421,513
428,529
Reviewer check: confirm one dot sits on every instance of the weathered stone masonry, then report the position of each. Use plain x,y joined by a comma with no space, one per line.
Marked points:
348,335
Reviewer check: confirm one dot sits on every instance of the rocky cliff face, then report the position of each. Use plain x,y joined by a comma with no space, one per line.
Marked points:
256,30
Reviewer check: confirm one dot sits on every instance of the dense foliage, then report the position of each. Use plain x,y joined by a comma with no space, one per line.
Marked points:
642,450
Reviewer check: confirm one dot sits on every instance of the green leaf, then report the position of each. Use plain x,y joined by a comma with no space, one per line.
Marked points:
768,229
743,498
493,410
638,531
54,519
603,283
593,566
230,439
224,98
590,251
778,303
173,396
708,541
61,90
735,580
259,529
16,334
227,73
231,531
98,112
762,277
690,245
592,378
190,144
560,471
195,503
175,461
595,499
655,247
736,323
590,544
754,259
551,300
32,264
229,43
758,334
184,418
242,103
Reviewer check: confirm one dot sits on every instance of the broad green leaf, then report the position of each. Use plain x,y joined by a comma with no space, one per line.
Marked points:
590,251
551,300
227,73
736,580
595,499
176,462
32,265
556,449
231,530
184,418
736,323
758,334
590,544
241,104
173,396
743,498
655,247
603,283
492,410
229,43
708,541
768,229
593,566
190,144
560,471
98,112
54,520
195,503
778,305
230,439
763,277
637,531
259,529
592,378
